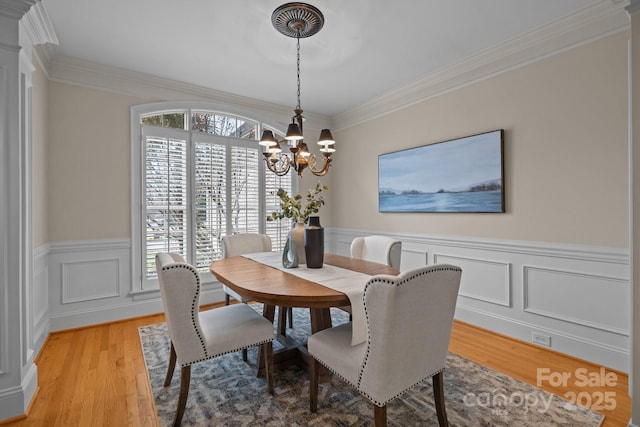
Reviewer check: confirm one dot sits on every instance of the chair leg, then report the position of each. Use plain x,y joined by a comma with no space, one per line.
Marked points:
268,364
438,395
226,299
380,415
314,373
171,367
185,380
290,311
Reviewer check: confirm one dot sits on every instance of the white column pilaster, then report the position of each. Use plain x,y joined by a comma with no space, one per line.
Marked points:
634,235
18,373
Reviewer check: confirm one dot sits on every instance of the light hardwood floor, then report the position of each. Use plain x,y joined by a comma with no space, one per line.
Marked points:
96,376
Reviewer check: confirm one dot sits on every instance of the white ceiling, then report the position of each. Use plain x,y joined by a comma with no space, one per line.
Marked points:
367,47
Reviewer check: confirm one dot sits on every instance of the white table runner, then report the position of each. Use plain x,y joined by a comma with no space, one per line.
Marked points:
349,282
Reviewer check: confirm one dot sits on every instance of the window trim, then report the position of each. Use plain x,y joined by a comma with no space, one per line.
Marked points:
139,285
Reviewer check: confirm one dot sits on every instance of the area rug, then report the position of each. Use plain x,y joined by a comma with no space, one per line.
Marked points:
226,392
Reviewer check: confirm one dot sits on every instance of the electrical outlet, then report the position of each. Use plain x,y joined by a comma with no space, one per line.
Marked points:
541,339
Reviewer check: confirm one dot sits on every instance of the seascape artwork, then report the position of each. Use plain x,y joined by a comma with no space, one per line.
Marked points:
460,175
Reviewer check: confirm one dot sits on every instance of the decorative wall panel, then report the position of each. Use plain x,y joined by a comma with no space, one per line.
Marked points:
89,280
560,295
483,280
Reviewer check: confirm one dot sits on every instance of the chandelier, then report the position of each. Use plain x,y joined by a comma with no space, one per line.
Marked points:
297,20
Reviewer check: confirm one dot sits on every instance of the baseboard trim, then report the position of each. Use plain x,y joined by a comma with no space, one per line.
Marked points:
589,350
15,401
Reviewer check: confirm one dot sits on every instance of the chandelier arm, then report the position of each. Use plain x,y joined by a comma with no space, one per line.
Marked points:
325,165
321,172
283,160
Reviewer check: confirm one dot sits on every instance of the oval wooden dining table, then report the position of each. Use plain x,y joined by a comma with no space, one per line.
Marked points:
273,287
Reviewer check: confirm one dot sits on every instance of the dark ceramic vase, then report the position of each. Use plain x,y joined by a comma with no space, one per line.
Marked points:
314,242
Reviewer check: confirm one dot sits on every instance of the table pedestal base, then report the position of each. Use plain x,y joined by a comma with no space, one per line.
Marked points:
294,352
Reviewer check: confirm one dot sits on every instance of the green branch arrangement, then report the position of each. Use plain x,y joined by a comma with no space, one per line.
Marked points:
291,207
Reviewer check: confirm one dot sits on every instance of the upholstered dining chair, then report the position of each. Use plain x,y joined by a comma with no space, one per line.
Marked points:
409,321
241,244
247,243
201,335
380,249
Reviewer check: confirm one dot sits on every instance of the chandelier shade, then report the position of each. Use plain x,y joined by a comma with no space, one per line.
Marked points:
297,20
293,133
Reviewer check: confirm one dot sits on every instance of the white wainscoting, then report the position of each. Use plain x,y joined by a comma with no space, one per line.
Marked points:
577,296
90,283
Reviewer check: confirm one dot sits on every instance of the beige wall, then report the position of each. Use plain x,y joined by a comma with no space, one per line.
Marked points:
566,155
566,152
89,163
40,207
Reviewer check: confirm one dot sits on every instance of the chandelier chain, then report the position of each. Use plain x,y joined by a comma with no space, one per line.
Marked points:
298,68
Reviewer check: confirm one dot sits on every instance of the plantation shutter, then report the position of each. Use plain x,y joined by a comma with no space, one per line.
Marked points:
278,229
245,190
210,201
165,198
203,178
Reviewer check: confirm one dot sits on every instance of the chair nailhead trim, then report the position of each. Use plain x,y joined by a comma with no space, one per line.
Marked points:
194,304
226,352
194,313
375,279
367,396
402,392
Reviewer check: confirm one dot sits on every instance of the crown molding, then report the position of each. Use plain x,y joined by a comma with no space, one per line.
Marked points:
15,8
41,39
38,27
42,54
634,6
79,72
594,22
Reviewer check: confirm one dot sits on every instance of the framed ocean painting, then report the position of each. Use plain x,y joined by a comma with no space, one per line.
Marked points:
460,175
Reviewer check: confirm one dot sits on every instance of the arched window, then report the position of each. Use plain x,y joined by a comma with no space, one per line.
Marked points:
198,176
